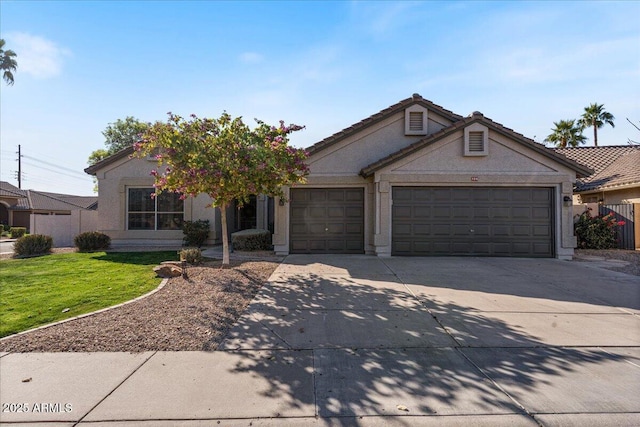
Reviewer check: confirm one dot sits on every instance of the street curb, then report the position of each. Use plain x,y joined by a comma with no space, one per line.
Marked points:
160,286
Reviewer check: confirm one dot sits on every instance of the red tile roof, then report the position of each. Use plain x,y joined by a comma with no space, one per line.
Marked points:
613,166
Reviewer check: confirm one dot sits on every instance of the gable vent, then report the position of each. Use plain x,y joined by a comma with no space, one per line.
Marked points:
415,121
476,142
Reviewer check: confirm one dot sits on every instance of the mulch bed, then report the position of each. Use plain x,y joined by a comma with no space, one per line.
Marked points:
193,314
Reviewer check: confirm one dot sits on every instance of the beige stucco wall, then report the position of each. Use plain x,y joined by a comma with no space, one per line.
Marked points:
113,182
509,163
349,156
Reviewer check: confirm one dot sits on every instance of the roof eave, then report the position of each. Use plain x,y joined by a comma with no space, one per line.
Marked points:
93,169
377,118
581,170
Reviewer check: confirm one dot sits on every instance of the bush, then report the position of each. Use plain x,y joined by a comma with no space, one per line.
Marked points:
17,232
251,240
196,233
596,232
6,227
33,244
191,255
91,241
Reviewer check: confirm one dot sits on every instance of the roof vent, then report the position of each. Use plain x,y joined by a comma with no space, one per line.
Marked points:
416,96
476,113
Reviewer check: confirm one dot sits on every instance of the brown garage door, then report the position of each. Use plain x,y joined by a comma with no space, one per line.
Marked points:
327,220
473,221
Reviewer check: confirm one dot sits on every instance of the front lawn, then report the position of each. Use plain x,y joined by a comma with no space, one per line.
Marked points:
37,291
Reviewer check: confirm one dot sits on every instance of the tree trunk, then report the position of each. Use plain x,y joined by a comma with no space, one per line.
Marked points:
595,135
225,234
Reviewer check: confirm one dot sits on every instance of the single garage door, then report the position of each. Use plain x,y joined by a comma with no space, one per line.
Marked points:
474,221
327,220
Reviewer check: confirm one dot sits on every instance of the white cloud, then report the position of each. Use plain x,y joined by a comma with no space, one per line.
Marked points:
251,57
37,56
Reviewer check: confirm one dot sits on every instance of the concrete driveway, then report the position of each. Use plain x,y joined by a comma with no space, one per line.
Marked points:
359,340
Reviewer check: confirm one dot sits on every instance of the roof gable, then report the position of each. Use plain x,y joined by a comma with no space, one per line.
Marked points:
416,99
476,117
125,152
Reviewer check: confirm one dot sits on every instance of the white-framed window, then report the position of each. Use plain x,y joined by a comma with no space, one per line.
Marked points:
476,140
415,120
164,212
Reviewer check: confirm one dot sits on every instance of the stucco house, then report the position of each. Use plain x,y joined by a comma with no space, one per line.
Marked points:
131,217
17,206
616,177
412,179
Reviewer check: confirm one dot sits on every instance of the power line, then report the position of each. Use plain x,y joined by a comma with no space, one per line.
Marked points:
53,165
60,173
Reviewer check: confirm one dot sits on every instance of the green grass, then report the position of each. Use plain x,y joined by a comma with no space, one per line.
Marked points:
35,291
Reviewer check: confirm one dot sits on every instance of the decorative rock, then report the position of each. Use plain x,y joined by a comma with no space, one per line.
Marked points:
166,271
175,263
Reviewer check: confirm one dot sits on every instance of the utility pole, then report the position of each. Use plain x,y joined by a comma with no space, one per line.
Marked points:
19,167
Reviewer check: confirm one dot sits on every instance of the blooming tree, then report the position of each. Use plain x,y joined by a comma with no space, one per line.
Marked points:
223,158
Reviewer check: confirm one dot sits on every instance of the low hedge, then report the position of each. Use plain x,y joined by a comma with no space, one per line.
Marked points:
92,241
251,240
192,255
17,232
33,244
196,232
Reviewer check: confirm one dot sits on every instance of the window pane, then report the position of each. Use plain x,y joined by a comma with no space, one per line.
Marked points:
170,221
141,221
170,202
140,200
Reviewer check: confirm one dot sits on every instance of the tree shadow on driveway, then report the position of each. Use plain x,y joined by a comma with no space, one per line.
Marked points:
378,350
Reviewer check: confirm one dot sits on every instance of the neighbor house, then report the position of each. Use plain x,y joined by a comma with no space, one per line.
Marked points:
616,177
17,206
412,179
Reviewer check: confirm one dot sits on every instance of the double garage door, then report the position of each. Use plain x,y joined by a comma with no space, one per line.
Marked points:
472,221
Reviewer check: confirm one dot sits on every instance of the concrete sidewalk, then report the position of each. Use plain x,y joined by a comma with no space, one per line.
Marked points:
358,340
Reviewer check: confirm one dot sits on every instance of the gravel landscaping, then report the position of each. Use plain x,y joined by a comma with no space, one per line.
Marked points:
192,314
632,259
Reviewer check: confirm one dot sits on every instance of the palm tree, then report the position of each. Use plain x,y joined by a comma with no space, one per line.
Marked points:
596,116
8,63
566,133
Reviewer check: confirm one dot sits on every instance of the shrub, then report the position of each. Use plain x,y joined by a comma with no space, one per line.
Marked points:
191,255
596,232
91,241
251,240
196,233
17,232
6,227
33,244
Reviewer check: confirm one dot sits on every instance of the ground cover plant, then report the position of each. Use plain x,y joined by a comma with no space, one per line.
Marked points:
37,291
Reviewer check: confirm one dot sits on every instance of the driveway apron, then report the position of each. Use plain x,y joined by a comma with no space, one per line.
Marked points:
476,337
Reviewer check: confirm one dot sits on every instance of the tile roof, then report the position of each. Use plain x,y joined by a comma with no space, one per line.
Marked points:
476,116
8,190
613,166
125,152
44,201
379,116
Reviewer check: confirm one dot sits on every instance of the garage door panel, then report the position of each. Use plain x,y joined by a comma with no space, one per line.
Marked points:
422,229
402,212
441,212
327,220
473,221
422,212
354,212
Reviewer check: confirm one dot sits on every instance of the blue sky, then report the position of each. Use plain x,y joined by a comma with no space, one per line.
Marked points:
326,65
